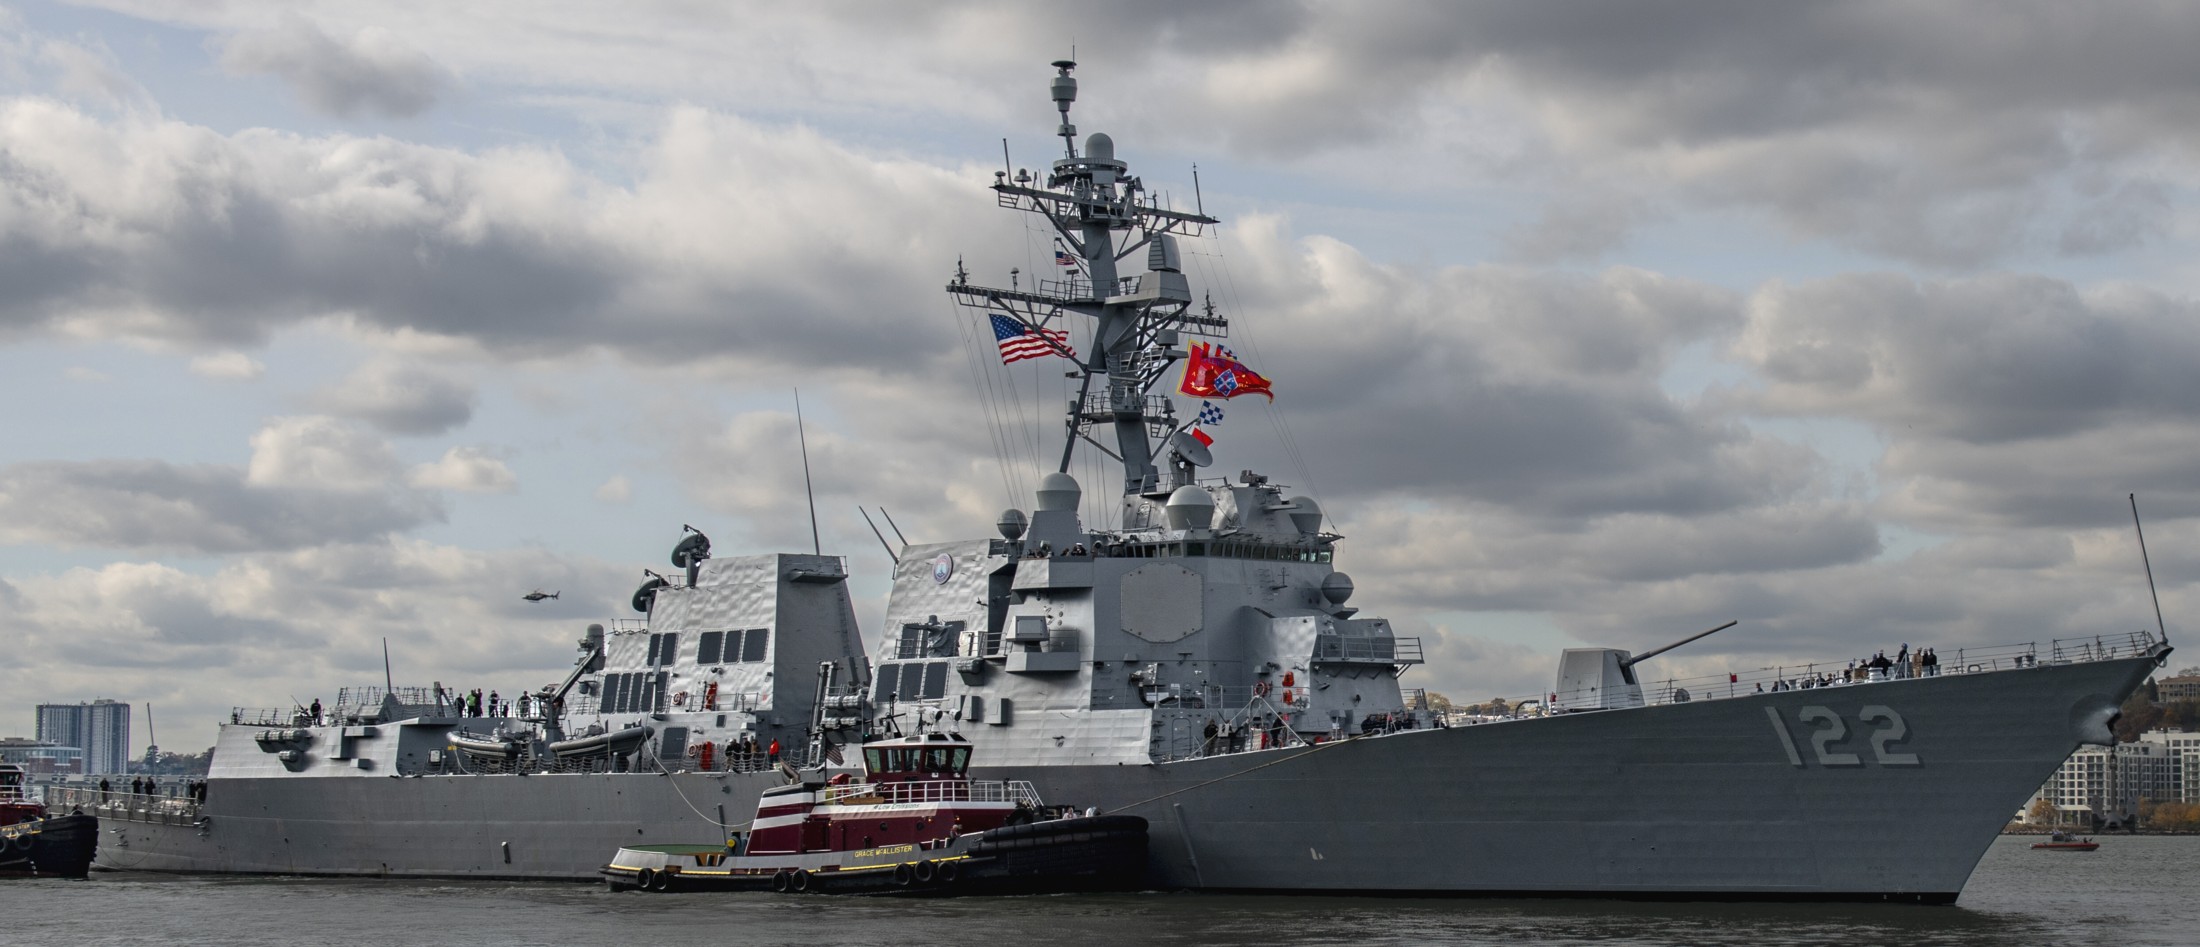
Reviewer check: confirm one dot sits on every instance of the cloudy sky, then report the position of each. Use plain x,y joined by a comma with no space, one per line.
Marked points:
325,323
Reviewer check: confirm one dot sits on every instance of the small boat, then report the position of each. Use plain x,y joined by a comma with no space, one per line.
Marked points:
915,824
35,844
2060,841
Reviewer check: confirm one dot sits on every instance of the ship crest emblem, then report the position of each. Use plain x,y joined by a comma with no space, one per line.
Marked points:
943,568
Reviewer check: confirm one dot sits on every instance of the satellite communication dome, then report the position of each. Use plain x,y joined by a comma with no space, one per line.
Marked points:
1306,515
1011,524
1337,587
1059,493
1191,508
1099,147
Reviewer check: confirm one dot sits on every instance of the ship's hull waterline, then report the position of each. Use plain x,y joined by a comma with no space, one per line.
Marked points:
1730,798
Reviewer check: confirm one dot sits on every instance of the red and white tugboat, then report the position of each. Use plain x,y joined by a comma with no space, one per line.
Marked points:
916,824
33,844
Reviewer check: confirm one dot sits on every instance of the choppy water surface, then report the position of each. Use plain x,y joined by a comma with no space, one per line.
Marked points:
2133,891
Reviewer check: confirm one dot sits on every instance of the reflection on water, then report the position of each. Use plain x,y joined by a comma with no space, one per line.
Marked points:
2133,891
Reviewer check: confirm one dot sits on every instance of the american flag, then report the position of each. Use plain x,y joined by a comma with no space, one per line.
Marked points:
1019,341
1062,258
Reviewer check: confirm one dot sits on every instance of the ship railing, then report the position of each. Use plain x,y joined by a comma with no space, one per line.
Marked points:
123,805
1843,673
945,790
1367,649
270,717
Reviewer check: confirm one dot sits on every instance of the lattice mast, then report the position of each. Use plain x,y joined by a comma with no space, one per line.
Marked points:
1101,215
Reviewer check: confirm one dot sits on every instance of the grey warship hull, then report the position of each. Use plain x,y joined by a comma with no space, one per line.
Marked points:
1699,799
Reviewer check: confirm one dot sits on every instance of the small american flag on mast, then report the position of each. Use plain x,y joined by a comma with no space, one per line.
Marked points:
1019,341
1062,258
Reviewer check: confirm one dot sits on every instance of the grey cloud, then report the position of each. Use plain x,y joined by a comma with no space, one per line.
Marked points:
400,398
449,614
199,509
370,71
223,239
1992,358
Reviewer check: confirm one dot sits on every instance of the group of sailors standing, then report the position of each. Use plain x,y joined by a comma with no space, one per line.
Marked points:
1924,662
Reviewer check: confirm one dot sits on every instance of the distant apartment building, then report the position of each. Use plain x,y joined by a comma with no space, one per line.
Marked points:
2172,689
100,728
2108,783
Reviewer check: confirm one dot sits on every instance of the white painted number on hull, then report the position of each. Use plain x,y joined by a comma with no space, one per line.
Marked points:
1829,729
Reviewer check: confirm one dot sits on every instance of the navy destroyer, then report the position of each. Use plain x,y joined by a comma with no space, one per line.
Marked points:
1196,663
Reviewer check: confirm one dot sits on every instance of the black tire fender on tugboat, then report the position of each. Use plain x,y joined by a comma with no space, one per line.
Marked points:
904,876
926,871
664,882
782,880
949,871
800,883
646,879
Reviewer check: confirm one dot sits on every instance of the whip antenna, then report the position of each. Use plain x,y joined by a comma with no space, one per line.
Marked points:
2157,596
816,547
389,684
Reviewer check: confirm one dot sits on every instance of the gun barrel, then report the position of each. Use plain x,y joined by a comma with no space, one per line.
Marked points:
1647,655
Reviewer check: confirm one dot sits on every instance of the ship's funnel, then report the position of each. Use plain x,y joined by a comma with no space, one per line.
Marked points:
1306,515
1011,524
1191,508
1059,493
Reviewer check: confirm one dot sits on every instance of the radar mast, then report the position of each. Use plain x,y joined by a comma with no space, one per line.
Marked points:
1101,215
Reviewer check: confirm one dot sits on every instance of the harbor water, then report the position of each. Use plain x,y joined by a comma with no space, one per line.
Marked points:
2134,891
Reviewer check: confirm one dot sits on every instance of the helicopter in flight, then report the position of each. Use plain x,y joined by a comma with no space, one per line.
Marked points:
538,595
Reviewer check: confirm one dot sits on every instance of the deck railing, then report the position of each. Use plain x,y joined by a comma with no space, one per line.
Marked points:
945,790
1820,674
123,806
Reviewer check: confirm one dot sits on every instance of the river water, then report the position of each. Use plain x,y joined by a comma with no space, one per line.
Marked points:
2134,891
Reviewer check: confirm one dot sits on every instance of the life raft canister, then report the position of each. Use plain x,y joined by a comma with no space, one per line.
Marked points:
705,758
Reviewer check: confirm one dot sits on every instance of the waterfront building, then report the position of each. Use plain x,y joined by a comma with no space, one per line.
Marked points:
2173,689
40,757
2106,784
100,728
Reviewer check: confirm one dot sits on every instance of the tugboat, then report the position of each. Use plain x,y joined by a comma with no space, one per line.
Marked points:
917,824
32,844
2061,841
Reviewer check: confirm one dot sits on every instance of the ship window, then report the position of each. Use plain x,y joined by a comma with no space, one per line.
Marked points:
871,760
888,684
706,646
752,647
671,648
935,680
656,644
962,760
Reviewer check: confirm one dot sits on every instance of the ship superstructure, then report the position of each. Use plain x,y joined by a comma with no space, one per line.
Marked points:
1194,662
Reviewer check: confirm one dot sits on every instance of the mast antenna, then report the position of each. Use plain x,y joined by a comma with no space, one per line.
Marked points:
890,522
816,547
389,684
881,536
2157,596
